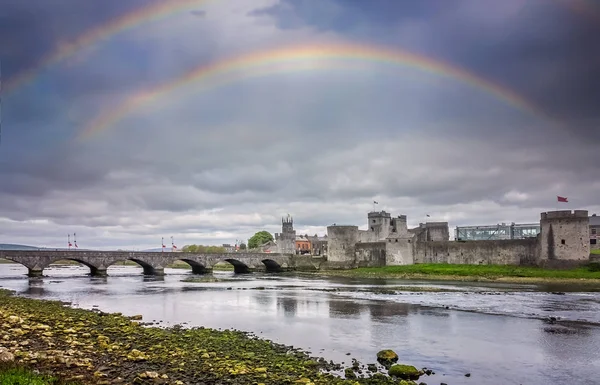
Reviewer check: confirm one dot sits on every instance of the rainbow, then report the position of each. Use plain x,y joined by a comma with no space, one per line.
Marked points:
160,10
312,56
163,9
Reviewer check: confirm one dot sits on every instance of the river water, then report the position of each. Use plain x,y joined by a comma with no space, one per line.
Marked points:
499,333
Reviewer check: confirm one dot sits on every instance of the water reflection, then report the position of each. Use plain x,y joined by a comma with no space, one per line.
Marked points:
265,299
98,280
494,349
382,310
344,308
287,306
35,287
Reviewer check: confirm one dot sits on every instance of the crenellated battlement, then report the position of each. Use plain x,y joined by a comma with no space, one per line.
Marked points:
379,214
565,214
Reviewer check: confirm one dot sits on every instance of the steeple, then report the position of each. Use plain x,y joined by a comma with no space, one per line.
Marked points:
287,220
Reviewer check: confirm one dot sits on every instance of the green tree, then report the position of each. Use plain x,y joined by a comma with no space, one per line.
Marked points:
201,249
259,238
243,246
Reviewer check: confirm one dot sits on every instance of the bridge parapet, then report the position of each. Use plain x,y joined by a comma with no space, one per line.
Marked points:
154,263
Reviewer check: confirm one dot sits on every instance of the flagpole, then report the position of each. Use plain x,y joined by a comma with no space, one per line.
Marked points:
69,241
162,244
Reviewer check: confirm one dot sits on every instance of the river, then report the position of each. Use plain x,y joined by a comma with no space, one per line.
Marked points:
499,333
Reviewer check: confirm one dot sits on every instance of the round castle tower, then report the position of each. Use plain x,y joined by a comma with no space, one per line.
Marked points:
565,235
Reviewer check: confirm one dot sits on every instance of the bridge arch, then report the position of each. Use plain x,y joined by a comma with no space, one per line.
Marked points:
238,267
93,269
272,266
197,267
148,268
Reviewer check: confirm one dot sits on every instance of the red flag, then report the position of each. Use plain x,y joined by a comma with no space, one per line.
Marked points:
164,246
174,246
76,245
70,244
562,199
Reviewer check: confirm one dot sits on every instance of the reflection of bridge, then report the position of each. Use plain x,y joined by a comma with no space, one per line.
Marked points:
155,263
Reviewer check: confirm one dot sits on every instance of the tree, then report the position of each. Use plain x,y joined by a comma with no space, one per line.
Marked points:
243,246
259,238
201,249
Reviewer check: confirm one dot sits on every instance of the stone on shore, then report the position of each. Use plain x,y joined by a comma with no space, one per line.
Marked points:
5,355
406,372
387,357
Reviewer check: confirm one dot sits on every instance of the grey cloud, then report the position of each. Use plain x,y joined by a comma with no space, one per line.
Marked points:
211,165
544,50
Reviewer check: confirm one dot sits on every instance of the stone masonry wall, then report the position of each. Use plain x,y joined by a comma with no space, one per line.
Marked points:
399,252
370,254
497,252
565,235
341,241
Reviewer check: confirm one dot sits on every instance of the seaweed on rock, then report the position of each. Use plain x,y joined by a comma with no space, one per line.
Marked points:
92,347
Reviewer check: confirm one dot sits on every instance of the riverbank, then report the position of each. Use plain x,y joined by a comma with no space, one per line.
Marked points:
92,347
496,273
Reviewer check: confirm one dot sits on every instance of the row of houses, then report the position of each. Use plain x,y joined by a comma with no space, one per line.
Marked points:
301,244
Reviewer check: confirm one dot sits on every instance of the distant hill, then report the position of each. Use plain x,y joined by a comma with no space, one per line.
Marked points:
9,246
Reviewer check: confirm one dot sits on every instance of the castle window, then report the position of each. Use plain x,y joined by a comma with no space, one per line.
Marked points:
593,231
373,220
372,228
592,241
390,240
562,242
396,240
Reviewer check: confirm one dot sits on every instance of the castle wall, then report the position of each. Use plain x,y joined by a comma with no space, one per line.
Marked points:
379,223
367,236
564,240
341,243
496,252
370,254
565,235
438,231
399,251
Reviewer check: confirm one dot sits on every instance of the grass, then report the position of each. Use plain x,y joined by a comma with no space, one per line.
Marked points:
460,272
595,251
14,375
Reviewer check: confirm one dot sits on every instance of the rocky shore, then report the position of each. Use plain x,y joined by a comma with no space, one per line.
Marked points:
92,347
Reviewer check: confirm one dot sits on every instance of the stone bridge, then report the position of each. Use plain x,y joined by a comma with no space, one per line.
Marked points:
154,263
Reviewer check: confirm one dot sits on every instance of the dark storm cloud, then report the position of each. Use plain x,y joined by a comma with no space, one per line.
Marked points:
31,29
218,164
542,49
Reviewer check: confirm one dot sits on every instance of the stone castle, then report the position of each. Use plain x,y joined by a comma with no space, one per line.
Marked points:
286,240
563,240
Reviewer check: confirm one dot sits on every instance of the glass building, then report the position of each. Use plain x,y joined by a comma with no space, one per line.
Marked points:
495,232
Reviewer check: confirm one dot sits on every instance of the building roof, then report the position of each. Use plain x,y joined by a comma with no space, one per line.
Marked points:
594,220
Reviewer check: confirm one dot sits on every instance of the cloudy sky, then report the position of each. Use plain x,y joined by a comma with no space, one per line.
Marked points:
472,111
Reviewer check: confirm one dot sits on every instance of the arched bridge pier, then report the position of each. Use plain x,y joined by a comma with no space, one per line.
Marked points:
154,263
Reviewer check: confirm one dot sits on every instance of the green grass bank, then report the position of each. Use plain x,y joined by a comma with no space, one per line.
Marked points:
11,374
474,273
91,347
